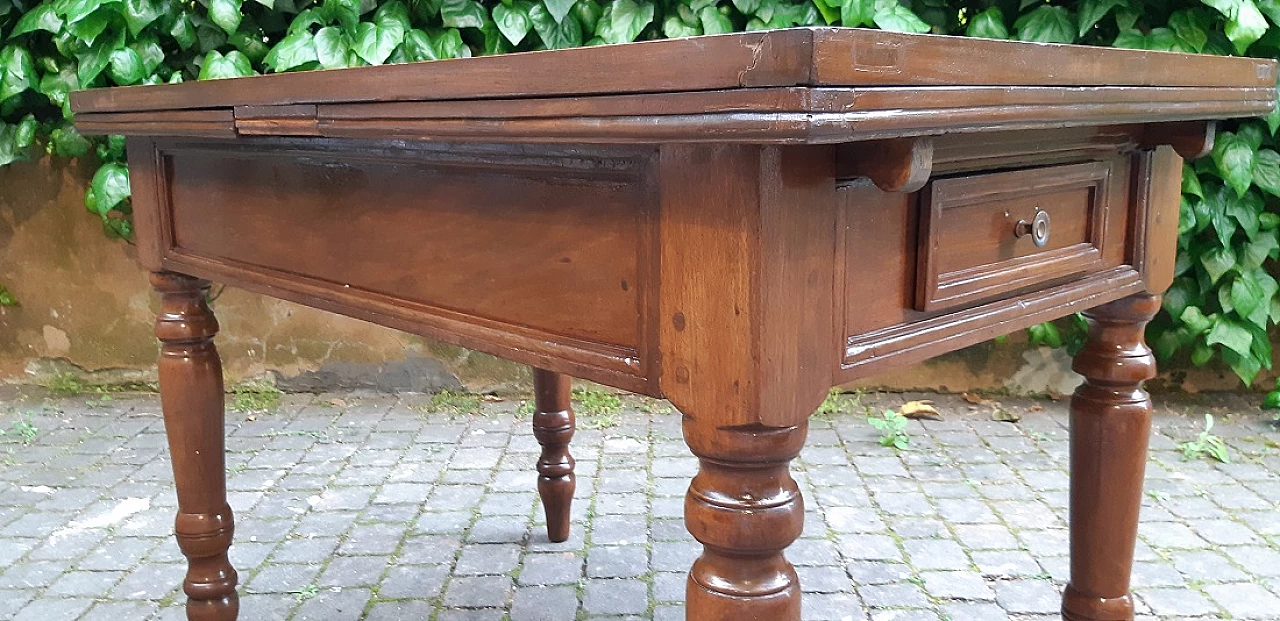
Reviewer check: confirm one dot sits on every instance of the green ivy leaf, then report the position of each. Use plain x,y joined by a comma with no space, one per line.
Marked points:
333,48
17,71
219,67
449,43
830,12
42,17
624,20
110,187
588,13
10,152
417,46
226,14
1231,335
714,22
1246,295
559,8
1194,319
891,15
138,14
566,33
988,24
183,31
1217,262
345,12
1190,182
1092,11
1246,367
7,298
66,141
24,133
126,67
854,13
1259,249
1235,161
294,51
462,14
1245,210
374,43
513,21
149,50
674,28
1247,26
1190,28
1047,24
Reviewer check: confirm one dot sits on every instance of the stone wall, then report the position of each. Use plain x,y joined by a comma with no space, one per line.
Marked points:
87,309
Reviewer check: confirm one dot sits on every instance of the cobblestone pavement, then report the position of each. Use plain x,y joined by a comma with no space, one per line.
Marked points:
363,507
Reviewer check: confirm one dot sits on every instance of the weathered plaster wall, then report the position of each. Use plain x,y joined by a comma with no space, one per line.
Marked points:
87,308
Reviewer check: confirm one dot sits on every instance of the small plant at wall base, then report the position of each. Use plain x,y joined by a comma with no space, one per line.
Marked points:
1220,307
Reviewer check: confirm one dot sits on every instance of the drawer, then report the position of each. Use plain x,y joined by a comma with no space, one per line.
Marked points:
989,235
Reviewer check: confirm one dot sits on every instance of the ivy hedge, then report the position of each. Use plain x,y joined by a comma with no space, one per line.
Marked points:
1221,305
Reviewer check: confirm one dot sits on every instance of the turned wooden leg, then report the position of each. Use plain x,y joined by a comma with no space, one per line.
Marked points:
745,509
553,426
192,399
1110,422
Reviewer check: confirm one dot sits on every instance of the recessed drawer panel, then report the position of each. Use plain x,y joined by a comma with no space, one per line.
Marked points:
987,235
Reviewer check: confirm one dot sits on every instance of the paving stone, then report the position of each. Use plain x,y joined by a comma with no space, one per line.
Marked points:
1028,597
1244,600
617,562
413,581
545,603
399,611
897,595
616,597
334,605
46,609
1179,602
478,591
325,496
487,559
927,554
962,585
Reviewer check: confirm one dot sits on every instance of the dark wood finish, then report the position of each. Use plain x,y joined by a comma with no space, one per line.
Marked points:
971,244
191,397
1110,424
1190,139
1159,196
745,509
901,165
553,426
799,56
787,211
739,247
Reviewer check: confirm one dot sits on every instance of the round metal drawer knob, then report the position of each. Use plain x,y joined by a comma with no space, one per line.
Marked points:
1038,228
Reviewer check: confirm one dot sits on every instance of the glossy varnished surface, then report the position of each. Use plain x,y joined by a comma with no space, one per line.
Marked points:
691,235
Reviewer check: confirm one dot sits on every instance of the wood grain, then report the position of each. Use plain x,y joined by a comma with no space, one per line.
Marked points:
1110,424
553,427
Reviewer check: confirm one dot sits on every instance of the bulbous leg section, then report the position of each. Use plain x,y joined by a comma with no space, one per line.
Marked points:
553,426
745,509
191,396
1110,425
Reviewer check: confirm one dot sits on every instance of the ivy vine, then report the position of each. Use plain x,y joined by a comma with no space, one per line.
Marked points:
1221,305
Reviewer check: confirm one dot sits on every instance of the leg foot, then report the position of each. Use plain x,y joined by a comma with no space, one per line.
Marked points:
192,399
1110,424
553,426
745,509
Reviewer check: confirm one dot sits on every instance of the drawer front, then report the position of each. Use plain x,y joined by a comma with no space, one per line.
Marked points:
989,235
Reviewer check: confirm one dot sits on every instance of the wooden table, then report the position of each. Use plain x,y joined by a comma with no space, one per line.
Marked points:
735,223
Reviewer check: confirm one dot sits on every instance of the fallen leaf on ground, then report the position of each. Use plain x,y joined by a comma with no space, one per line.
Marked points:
976,399
920,410
1005,415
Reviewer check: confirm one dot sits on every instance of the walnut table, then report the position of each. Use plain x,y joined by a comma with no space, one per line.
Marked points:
735,223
